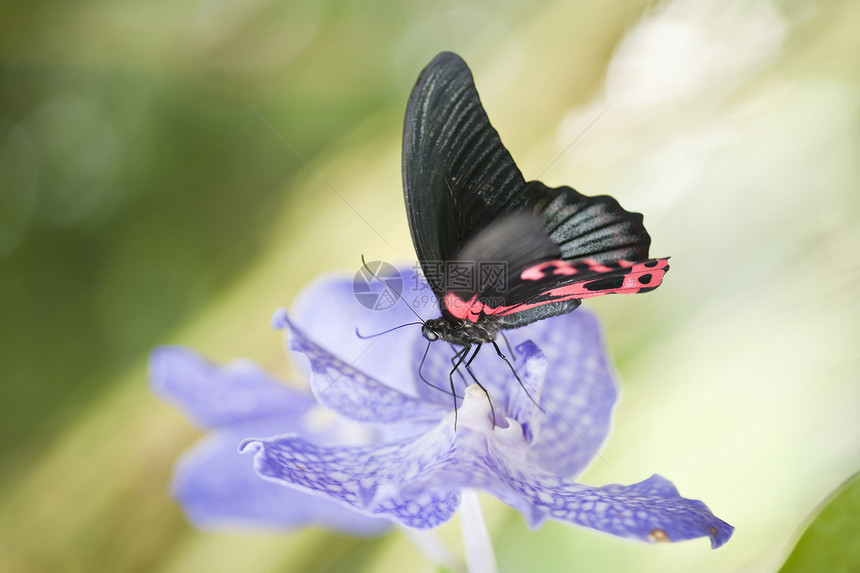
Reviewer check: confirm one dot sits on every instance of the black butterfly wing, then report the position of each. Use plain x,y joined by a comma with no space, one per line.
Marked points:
586,227
457,176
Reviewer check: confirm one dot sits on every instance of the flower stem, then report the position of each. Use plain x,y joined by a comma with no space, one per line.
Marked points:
426,541
476,538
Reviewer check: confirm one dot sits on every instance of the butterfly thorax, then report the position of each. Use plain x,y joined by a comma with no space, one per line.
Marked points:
460,332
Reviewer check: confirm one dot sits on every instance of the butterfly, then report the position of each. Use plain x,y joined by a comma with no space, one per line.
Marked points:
500,252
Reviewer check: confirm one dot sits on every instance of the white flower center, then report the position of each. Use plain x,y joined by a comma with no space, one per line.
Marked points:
475,413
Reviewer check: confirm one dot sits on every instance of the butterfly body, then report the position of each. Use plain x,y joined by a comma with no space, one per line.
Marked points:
471,211
461,332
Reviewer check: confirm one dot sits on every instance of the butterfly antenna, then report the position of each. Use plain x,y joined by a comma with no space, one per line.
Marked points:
517,376
373,274
363,337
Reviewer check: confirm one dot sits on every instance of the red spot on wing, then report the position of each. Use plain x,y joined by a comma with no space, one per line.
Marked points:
565,268
464,310
636,277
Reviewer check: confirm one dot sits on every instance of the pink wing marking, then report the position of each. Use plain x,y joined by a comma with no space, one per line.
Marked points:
459,308
564,268
640,277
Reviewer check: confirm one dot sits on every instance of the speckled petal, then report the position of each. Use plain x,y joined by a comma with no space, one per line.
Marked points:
215,396
578,395
416,483
651,510
370,478
348,391
522,407
327,310
648,511
219,489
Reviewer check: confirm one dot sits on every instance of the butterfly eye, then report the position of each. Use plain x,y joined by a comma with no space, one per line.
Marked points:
429,334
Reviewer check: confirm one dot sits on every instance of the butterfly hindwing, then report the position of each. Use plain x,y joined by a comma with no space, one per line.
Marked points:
536,281
457,175
603,249
586,227
509,247
565,284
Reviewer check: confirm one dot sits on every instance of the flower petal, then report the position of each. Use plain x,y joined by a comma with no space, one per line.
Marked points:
348,391
648,511
219,489
370,478
578,395
328,311
651,510
532,368
417,483
213,396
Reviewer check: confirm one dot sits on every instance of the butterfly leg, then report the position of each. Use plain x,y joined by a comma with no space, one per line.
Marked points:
454,358
517,376
481,386
462,356
508,344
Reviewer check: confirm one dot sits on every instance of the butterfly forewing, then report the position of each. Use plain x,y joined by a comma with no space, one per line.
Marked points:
457,176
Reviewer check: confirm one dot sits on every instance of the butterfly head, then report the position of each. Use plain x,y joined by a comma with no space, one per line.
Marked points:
432,329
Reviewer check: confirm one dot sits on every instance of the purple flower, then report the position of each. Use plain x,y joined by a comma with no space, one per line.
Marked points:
415,471
217,486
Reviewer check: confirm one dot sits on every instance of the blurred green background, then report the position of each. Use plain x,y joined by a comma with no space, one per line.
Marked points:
144,200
